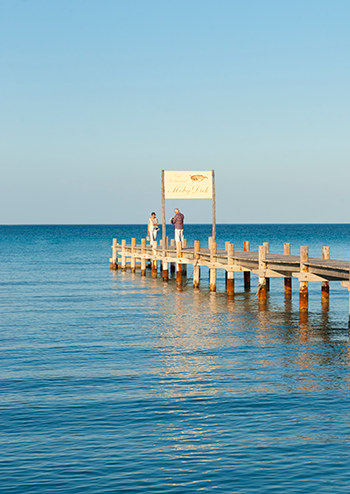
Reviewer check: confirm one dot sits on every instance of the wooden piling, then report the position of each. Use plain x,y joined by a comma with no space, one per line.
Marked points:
304,293
154,261
184,266
246,274
133,259
143,260
172,264
114,263
226,248
123,255
287,280
262,291
179,265
165,265
212,271
230,275
325,284
196,268
267,250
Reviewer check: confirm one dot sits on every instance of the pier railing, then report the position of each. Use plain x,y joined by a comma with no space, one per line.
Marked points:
264,264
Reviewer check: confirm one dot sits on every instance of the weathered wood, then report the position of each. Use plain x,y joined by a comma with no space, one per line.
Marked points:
143,260
133,259
196,268
212,271
214,206
172,264
165,265
179,264
154,260
267,250
184,266
262,291
163,214
246,248
287,280
263,264
325,284
304,293
230,275
114,263
123,255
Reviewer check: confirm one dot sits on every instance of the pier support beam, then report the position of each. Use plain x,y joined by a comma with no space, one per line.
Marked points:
196,268
325,284
267,250
246,274
184,266
153,261
114,263
133,259
143,261
304,292
262,290
212,271
172,264
165,265
123,255
179,265
230,275
287,281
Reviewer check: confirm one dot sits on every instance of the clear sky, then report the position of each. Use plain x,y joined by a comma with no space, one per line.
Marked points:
98,96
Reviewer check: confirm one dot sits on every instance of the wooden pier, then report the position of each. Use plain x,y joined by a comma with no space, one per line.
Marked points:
264,264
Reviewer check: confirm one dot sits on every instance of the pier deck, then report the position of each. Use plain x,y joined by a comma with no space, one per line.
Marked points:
264,264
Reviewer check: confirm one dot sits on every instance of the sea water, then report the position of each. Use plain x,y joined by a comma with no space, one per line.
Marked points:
112,382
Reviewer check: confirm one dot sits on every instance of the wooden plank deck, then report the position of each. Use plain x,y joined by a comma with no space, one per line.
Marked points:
282,265
264,264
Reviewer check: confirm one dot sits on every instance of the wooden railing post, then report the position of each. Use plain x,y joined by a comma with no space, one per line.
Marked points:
246,274
154,260
212,271
303,293
184,266
179,265
172,264
196,268
123,255
114,263
230,279
262,291
267,250
143,260
287,280
165,271
133,258
325,284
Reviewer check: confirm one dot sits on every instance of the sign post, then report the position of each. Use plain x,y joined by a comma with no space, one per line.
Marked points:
188,185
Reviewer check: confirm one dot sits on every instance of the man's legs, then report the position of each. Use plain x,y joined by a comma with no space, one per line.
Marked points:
179,235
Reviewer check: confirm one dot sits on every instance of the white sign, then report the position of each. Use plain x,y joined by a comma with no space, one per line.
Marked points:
188,185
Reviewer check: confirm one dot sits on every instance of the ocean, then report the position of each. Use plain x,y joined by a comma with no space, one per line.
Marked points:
116,383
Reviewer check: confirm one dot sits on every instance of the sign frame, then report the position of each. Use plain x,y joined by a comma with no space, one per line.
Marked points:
213,197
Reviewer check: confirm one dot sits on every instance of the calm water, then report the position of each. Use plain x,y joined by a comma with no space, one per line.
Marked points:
115,383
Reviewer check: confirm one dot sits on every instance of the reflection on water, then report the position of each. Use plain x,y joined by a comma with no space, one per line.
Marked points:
113,382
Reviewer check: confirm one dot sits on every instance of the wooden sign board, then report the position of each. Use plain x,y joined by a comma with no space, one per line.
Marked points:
188,185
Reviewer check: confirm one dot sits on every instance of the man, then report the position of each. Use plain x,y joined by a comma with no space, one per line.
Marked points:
178,222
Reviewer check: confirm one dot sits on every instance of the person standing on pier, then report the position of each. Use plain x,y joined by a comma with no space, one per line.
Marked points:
153,227
178,222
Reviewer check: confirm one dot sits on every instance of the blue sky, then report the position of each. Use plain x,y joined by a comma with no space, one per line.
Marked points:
97,97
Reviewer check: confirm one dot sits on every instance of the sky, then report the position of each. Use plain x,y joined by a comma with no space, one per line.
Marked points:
98,96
